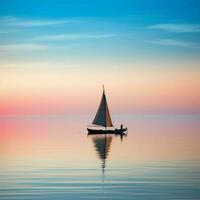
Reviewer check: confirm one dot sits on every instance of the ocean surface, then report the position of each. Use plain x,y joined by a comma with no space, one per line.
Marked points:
44,158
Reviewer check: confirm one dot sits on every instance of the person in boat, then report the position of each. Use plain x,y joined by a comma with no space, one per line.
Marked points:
121,126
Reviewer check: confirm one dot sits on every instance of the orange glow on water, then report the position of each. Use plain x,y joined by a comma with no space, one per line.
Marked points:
62,138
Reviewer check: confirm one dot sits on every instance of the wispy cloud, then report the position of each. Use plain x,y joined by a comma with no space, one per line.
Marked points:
23,47
74,37
175,43
7,31
7,19
13,21
187,28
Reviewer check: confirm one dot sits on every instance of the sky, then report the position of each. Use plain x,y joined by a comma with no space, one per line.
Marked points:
56,55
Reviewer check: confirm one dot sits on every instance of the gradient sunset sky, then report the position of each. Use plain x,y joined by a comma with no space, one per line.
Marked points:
55,56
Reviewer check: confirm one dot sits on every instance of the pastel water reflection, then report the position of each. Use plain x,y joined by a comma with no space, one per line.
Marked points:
54,158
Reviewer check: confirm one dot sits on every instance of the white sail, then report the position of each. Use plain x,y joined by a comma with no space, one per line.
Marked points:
102,117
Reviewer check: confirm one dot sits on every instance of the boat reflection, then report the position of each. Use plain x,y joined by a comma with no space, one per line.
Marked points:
102,144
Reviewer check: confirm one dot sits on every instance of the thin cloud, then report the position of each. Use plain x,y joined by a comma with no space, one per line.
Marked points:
7,19
74,37
181,28
23,47
13,21
174,43
7,31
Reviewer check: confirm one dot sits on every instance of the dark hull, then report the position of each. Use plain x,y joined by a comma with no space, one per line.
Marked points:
116,131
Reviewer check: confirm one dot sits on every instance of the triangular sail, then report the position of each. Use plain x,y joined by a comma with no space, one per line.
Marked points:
102,117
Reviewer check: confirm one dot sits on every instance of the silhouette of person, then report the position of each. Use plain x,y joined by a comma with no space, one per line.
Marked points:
121,126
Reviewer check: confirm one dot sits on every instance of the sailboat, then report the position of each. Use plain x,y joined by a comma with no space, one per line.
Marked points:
102,123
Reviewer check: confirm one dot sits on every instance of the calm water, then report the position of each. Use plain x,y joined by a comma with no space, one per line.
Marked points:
53,158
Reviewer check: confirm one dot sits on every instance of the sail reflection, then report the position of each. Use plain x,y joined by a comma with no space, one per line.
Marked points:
102,144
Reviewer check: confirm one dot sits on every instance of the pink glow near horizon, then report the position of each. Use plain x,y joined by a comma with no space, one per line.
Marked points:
127,91
156,140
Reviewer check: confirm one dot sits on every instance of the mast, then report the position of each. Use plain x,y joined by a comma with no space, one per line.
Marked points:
104,105
102,116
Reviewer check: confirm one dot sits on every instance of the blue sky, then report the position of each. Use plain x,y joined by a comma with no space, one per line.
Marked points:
61,51
81,29
100,8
